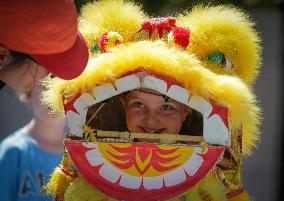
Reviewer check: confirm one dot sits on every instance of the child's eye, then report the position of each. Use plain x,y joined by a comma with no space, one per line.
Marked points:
166,107
138,104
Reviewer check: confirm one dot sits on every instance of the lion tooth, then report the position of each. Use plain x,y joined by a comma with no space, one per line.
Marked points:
110,173
154,83
193,164
174,177
94,157
179,94
150,183
75,123
83,102
104,92
127,83
201,105
129,181
215,131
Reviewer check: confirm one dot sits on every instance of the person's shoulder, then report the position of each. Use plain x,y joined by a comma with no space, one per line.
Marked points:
14,142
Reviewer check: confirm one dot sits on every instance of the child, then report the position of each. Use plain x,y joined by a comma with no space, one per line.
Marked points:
29,155
148,111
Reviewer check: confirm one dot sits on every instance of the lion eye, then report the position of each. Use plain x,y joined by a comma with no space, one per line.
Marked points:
220,59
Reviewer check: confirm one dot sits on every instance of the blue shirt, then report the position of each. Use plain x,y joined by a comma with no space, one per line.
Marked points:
24,168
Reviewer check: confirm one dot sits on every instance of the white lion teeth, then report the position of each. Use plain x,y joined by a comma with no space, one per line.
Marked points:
153,83
75,122
151,183
175,177
94,157
201,105
110,173
179,94
193,164
104,92
215,131
83,102
113,175
131,182
127,83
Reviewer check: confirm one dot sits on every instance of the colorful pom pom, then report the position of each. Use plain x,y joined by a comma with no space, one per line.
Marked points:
179,36
95,48
160,24
109,40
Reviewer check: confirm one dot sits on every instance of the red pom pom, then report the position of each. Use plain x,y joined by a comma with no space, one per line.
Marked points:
109,40
181,36
103,42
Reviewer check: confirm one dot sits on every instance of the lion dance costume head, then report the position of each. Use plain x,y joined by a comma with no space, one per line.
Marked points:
206,59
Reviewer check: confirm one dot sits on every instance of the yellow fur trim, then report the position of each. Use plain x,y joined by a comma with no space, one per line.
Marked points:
110,15
228,30
58,182
208,189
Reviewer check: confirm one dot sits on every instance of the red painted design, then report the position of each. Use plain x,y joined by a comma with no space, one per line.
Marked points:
103,42
161,24
77,153
157,157
221,111
70,105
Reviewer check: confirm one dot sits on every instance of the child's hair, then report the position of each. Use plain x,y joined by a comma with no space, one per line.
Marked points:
18,59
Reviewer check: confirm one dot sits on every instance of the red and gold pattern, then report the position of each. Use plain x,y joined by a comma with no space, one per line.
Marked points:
125,171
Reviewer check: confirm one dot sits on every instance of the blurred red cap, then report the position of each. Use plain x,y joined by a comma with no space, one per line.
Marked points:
46,30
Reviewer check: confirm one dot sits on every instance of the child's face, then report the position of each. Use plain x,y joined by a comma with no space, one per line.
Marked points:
149,113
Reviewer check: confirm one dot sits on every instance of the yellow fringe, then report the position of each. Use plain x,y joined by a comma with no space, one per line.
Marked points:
209,189
58,183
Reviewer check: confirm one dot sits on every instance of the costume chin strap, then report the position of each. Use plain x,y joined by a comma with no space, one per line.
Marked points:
89,134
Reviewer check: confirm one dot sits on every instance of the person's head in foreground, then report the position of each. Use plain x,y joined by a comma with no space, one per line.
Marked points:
38,37
164,108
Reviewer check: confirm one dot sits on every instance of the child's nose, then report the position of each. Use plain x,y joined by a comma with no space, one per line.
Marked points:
152,123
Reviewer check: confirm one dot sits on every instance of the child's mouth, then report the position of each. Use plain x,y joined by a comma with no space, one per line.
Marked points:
154,131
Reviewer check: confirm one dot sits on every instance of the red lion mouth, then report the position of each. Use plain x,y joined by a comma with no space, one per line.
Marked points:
125,171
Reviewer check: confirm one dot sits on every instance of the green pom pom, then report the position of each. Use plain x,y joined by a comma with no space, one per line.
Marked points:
95,48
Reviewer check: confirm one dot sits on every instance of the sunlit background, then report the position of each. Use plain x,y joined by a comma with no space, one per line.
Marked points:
262,170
